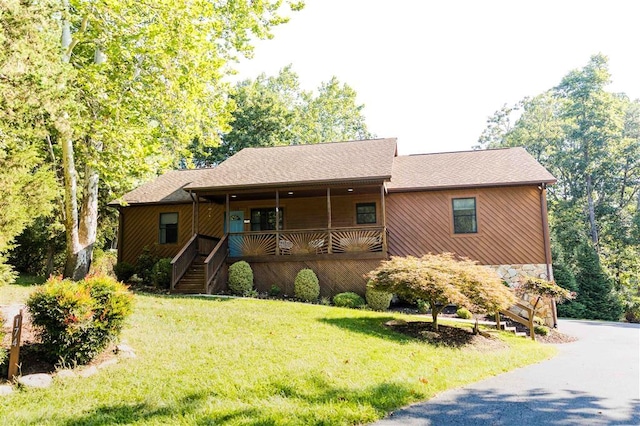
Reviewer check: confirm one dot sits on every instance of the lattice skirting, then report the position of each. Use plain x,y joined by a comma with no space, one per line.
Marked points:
335,276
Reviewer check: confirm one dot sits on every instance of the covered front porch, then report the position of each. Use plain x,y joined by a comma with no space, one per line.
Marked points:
271,227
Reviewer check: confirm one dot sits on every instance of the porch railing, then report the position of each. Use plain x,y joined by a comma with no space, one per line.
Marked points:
215,260
308,241
181,262
198,244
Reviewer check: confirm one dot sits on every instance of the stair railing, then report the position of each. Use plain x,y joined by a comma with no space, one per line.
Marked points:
527,322
181,262
215,260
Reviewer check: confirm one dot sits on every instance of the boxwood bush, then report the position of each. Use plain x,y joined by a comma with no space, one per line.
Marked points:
124,271
77,320
161,273
306,286
348,300
464,313
378,300
240,278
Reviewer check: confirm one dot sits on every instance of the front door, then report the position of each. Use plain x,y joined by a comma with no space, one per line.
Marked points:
236,224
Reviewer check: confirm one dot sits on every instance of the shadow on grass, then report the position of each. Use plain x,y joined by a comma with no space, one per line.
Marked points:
318,400
535,407
131,413
371,326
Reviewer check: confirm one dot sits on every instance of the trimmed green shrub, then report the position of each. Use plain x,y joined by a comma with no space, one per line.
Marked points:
145,264
77,320
541,330
348,300
124,271
161,273
240,278
274,291
378,300
306,286
464,313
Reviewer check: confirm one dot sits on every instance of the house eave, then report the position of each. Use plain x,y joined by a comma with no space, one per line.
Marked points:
469,186
292,184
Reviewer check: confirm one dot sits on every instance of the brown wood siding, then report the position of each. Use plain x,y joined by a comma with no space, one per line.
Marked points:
335,276
509,225
299,213
142,228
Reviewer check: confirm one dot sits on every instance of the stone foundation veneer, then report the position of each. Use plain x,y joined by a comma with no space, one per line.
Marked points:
511,274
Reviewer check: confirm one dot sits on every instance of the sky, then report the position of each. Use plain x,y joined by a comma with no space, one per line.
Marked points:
431,72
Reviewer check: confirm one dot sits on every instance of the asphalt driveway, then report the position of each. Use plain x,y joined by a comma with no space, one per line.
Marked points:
594,381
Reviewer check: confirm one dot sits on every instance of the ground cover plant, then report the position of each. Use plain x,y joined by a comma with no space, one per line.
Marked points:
246,361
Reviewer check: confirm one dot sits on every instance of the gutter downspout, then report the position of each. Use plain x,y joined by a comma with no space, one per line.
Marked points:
193,213
547,245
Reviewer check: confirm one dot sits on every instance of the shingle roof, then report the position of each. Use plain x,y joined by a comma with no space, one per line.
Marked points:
166,188
347,161
507,166
302,164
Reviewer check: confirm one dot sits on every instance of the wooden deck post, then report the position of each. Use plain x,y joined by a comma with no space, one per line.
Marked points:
277,222
227,219
330,246
383,217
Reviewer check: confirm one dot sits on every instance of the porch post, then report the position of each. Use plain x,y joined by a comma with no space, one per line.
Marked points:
277,222
197,219
329,247
226,215
383,219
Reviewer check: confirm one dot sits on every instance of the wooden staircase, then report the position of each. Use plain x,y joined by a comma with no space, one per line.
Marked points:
192,282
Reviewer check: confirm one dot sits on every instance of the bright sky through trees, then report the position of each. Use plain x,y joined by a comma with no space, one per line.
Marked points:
430,73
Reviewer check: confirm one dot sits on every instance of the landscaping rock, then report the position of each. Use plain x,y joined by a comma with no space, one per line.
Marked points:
88,372
395,322
107,363
125,351
6,390
39,381
66,374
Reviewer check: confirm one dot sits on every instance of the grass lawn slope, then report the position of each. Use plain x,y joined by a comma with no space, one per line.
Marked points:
256,362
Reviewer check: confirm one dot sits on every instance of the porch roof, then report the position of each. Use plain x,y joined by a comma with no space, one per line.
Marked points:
353,161
492,167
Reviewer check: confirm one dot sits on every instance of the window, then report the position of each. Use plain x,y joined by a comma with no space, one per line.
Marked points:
168,228
265,219
365,213
464,216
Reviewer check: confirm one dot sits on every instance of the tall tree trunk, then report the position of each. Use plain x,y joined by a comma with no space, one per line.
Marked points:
70,207
592,213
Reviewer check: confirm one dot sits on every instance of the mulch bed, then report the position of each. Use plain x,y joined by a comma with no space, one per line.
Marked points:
446,335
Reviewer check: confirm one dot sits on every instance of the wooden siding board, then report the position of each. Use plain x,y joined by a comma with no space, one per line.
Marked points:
509,225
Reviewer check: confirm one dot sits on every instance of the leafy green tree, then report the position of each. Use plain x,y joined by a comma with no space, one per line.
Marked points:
442,280
28,93
589,138
274,110
594,288
145,80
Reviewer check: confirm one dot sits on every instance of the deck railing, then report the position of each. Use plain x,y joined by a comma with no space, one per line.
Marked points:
308,242
215,260
527,322
181,262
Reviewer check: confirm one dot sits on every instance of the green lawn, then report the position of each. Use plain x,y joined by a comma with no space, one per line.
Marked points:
244,361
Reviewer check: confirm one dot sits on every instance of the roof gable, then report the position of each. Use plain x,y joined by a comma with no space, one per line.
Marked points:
166,188
492,167
302,164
